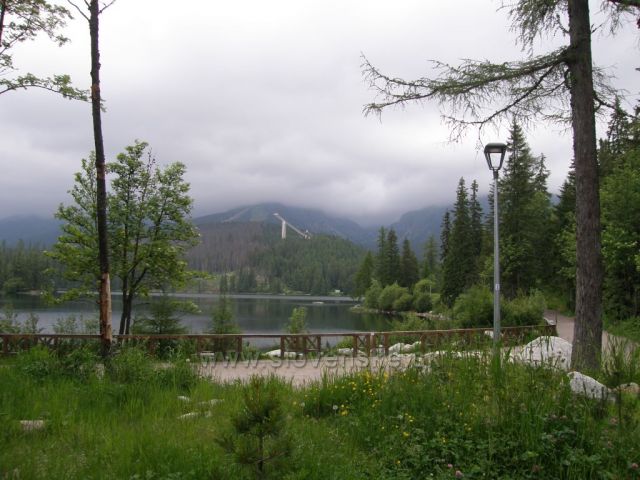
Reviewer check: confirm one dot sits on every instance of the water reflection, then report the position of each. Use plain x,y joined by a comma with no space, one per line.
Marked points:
254,313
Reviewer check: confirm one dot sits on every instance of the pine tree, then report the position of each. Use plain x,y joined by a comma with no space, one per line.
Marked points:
430,259
445,233
409,271
459,264
524,217
392,258
364,276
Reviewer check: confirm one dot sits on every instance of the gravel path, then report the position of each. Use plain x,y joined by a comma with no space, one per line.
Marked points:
304,371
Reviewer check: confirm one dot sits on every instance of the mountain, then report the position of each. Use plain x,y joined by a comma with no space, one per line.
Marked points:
416,225
315,221
32,229
419,225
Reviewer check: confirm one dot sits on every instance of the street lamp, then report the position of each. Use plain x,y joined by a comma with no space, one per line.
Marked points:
494,153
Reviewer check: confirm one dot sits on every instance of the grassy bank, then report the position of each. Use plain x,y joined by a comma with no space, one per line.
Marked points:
462,419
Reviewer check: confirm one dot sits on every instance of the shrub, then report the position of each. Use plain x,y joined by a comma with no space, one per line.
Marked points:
259,440
372,294
474,308
80,363
403,303
38,362
422,302
297,321
523,310
130,365
180,375
389,295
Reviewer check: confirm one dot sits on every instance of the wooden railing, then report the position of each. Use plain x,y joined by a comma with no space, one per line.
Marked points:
304,343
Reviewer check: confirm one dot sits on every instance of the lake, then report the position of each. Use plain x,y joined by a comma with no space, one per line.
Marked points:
254,313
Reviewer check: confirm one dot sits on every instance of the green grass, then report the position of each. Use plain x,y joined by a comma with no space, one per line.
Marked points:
629,328
462,416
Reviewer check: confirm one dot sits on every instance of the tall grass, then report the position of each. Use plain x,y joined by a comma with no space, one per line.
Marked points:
458,417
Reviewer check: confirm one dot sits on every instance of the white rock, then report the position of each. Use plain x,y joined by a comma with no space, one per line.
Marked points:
397,348
273,353
408,347
345,351
587,386
213,401
32,425
189,415
632,388
549,351
182,398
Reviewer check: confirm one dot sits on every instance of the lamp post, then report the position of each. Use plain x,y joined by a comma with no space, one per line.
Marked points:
494,153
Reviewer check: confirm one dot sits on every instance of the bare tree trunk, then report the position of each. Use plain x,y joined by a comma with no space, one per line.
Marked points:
587,344
105,284
3,9
125,318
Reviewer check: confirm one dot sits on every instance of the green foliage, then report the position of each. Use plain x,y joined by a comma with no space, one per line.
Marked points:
523,310
9,320
297,321
317,266
409,270
23,21
460,265
474,308
389,295
403,303
423,302
130,365
620,198
364,276
23,268
525,218
372,295
387,261
38,363
259,440
148,221
165,316
222,322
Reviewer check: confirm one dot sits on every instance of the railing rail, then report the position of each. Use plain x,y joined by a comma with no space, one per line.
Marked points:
301,343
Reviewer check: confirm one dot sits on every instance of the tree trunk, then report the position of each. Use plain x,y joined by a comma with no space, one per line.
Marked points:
127,308
587,344
103,254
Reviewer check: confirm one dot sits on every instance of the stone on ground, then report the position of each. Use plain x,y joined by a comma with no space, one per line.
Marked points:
584,385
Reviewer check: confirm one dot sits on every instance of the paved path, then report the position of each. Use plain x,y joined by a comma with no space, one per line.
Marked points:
564,326
304,371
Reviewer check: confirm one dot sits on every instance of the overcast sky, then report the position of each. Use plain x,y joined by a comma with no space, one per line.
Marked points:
263,102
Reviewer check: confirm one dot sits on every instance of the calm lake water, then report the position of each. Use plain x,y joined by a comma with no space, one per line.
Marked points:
254,313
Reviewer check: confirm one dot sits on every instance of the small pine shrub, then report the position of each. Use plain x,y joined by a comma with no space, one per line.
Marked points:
259,440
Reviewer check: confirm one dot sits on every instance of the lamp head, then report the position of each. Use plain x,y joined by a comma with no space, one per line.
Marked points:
494,153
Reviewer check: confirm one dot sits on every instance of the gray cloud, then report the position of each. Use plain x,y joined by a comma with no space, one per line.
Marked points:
263,102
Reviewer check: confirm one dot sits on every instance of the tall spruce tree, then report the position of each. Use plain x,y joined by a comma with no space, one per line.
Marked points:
430,259
459,265
524,217
364,276
445,234
409,270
